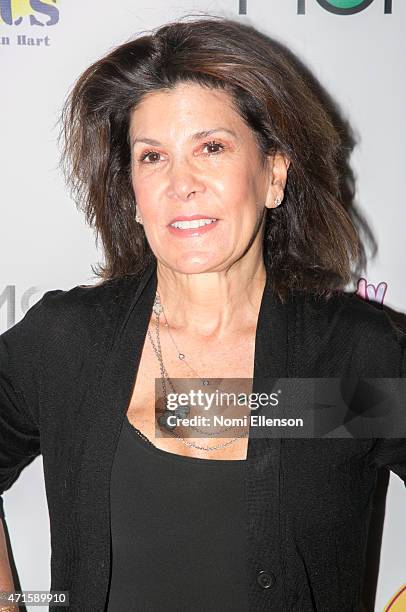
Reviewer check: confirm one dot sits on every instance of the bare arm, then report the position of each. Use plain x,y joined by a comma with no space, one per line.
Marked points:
6,579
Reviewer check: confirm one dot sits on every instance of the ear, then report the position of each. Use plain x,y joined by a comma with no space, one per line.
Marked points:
278,173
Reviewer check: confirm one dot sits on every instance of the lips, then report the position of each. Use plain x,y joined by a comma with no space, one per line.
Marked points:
193,232
191,218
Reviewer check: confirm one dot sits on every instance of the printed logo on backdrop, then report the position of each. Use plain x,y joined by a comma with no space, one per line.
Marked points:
368,291
8,304
24,22
344,7
338,7
398,601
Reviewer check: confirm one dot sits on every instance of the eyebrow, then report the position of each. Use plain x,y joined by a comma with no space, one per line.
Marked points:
194,137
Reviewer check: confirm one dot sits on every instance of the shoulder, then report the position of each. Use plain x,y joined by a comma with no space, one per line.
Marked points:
371,321
377,344
348,310
70,314
107,297
87,297
346,323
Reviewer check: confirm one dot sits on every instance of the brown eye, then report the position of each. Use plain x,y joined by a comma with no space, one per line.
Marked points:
214,144
146,155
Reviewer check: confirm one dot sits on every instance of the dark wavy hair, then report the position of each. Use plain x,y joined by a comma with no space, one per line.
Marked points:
311,243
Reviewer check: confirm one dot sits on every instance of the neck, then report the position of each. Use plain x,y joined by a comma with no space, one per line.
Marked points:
212,305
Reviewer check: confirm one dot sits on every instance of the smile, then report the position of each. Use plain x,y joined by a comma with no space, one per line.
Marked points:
196,227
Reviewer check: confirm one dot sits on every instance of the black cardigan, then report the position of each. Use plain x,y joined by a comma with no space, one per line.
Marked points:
67,371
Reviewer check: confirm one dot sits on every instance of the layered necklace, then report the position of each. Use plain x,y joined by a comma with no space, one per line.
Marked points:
180,411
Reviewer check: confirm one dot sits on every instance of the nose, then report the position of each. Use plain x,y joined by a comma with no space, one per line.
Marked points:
183,180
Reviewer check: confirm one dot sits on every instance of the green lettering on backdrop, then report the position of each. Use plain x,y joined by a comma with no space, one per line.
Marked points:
345,3
345,7
342,7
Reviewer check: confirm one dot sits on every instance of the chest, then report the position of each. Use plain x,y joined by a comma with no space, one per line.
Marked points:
222,363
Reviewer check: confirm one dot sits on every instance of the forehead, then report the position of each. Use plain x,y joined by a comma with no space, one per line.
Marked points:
187,104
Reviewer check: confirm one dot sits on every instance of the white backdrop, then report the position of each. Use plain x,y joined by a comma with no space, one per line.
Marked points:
44,243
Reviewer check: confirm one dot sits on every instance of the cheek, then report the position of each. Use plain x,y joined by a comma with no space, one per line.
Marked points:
144,197
240,193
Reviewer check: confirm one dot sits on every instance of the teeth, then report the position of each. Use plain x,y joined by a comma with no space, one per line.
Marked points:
192,224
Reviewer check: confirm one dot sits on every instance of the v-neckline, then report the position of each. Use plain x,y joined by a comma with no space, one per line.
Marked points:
271,336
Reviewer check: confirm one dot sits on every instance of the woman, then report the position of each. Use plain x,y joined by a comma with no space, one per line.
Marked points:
211,170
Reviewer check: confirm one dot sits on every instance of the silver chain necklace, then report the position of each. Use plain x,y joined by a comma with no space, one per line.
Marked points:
181,411
181,355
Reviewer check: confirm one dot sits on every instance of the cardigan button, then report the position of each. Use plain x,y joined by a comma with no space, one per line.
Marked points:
265,579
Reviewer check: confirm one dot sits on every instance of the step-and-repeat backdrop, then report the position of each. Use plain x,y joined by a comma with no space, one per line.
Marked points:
355,48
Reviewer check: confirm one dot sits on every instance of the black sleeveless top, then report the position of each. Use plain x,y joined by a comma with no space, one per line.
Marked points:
178,530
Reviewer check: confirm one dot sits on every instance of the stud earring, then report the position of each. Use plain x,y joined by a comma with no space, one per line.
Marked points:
278,200
138,218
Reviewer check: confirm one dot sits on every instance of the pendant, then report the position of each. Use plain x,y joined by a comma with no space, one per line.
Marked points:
163,420
182,411
157,308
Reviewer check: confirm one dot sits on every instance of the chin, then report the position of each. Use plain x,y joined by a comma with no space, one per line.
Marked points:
194,264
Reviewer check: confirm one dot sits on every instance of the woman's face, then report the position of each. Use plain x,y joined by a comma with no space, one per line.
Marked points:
178,173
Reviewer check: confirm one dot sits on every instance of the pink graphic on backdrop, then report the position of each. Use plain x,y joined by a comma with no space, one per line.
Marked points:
370,292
